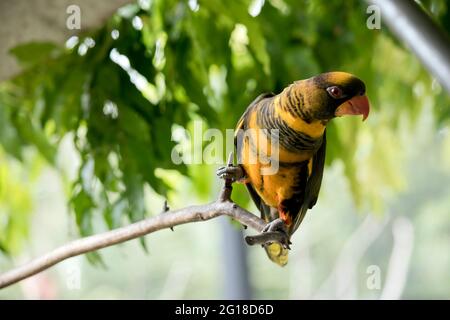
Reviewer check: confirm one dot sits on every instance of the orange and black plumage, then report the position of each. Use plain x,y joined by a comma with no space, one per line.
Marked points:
292,125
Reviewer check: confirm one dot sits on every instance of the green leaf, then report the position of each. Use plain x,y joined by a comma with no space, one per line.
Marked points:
34,52
29,131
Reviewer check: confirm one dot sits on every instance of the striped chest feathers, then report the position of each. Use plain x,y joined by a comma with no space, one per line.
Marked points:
294,152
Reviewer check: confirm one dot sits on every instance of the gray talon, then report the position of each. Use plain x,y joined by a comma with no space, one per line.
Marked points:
275,225
234,173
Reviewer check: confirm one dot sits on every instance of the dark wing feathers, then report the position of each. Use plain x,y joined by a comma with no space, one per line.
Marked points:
241,122
312,185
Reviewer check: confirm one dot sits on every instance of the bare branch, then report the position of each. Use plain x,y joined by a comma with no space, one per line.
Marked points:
167,219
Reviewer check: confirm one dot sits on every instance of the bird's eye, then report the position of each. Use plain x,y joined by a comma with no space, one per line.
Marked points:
335,92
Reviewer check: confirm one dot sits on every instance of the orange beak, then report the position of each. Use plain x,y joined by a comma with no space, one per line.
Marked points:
354,106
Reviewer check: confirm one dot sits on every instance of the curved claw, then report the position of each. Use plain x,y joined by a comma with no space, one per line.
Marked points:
235,173
276,225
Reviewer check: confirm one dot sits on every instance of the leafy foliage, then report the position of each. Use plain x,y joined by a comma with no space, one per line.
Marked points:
119,91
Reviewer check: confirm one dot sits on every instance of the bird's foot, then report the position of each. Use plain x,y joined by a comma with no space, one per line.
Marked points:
275,225
235,173
278,225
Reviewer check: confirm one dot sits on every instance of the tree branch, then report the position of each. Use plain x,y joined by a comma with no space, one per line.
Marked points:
166,219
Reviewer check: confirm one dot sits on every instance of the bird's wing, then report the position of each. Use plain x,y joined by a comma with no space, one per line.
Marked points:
313,183
262,207
241,123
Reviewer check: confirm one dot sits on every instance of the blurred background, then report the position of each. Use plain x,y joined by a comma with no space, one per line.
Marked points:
94,97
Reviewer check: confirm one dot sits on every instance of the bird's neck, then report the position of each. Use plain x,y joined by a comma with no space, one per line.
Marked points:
288,105
293,136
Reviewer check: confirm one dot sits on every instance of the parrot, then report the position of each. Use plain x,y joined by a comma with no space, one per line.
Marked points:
280,142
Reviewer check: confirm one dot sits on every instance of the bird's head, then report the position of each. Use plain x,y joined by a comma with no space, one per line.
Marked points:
335,94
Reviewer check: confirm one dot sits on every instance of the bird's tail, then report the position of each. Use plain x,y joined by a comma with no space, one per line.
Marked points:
277,253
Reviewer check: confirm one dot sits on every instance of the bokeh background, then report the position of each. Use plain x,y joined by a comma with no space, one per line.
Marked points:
88,125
